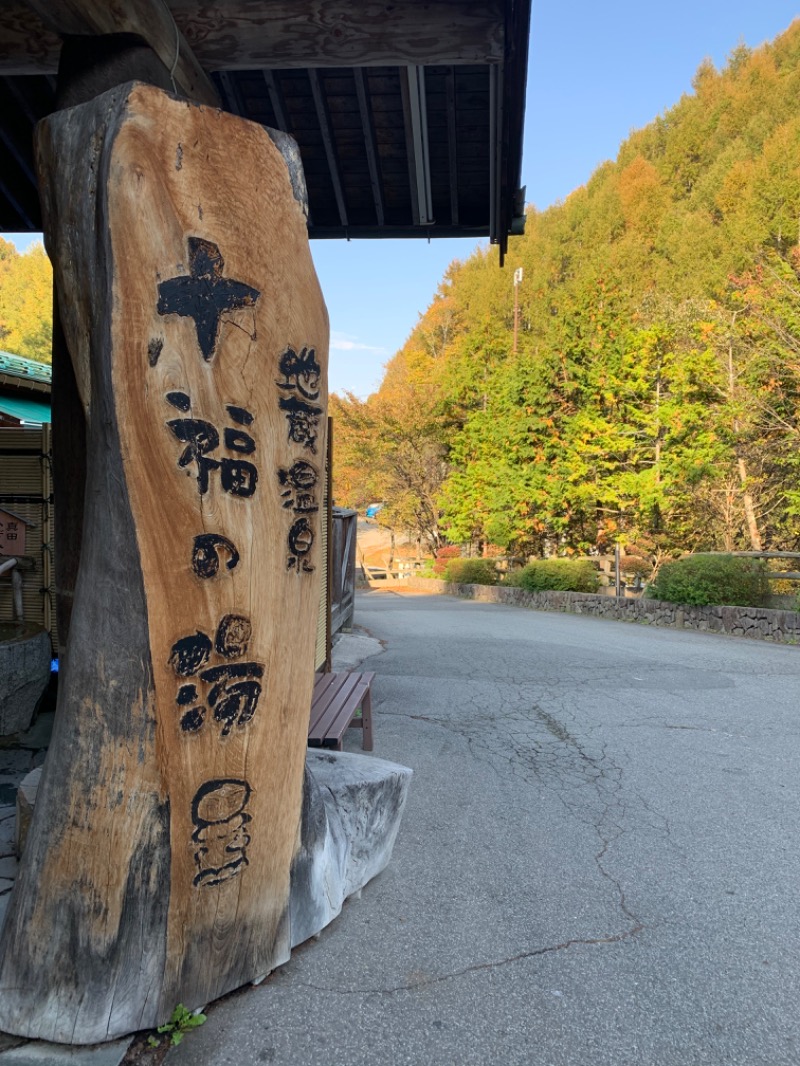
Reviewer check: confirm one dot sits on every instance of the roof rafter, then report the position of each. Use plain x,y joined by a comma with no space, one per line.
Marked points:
277,101
369,143
324,119
416,122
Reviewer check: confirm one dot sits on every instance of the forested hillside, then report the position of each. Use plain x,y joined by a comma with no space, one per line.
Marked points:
26,302
653,396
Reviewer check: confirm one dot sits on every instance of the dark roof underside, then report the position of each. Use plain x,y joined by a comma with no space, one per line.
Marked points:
388,151
356,191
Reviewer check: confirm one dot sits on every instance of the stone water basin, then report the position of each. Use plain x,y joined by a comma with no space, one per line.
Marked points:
25,656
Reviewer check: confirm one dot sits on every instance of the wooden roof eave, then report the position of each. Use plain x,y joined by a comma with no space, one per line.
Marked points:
261,34
273,37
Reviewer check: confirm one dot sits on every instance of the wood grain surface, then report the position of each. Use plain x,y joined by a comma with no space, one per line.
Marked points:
157,869
248,34
150,19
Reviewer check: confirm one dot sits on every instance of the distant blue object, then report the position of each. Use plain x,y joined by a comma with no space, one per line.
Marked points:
54,666
373,509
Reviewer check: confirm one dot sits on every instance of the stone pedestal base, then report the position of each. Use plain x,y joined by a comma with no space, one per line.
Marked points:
352,806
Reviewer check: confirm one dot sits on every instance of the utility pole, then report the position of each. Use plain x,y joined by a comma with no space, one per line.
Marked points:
517,283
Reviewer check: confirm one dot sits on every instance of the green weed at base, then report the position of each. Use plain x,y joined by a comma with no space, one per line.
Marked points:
181,1022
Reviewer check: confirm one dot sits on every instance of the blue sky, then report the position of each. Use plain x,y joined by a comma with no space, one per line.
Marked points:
597,71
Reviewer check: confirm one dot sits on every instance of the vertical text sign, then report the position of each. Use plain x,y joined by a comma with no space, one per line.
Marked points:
220,343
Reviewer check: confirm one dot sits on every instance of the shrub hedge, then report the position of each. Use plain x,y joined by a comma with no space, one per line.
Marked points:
511,579
718,580
471,572
564,575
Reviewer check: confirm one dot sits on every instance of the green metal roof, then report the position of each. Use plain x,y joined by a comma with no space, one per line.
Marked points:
25,410
26,369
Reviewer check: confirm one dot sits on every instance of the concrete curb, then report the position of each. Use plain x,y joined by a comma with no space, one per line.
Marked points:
755,623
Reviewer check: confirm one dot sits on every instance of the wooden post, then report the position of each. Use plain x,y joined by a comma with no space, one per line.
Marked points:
328,519
69,478
157,866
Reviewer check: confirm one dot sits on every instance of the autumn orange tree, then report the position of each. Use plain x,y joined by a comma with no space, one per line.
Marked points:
652,397
392,446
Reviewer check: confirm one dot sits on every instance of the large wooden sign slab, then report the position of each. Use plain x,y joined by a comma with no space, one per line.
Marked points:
157,869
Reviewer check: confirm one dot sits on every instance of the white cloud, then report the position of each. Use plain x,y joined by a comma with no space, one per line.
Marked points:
345,342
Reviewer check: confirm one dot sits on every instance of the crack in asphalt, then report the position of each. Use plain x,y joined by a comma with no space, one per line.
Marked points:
546,748
558,760
656,723
478,967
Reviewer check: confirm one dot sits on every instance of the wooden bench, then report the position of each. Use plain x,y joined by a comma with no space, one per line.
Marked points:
337,699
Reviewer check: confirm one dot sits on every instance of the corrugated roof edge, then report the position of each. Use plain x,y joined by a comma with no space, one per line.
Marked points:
17,367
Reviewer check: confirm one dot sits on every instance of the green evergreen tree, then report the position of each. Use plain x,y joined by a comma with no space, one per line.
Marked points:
653,393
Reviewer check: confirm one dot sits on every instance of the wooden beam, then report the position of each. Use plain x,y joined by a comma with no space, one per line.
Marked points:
252,34
27,46
150,19
321,106
495,155
370,143
410,158
416,126
242,34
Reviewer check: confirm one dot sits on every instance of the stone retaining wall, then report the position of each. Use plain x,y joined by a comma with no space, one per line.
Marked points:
758,623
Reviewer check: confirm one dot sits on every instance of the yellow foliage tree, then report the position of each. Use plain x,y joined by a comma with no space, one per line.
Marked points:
26,303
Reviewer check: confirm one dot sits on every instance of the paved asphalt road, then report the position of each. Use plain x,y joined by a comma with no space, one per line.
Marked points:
598,864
